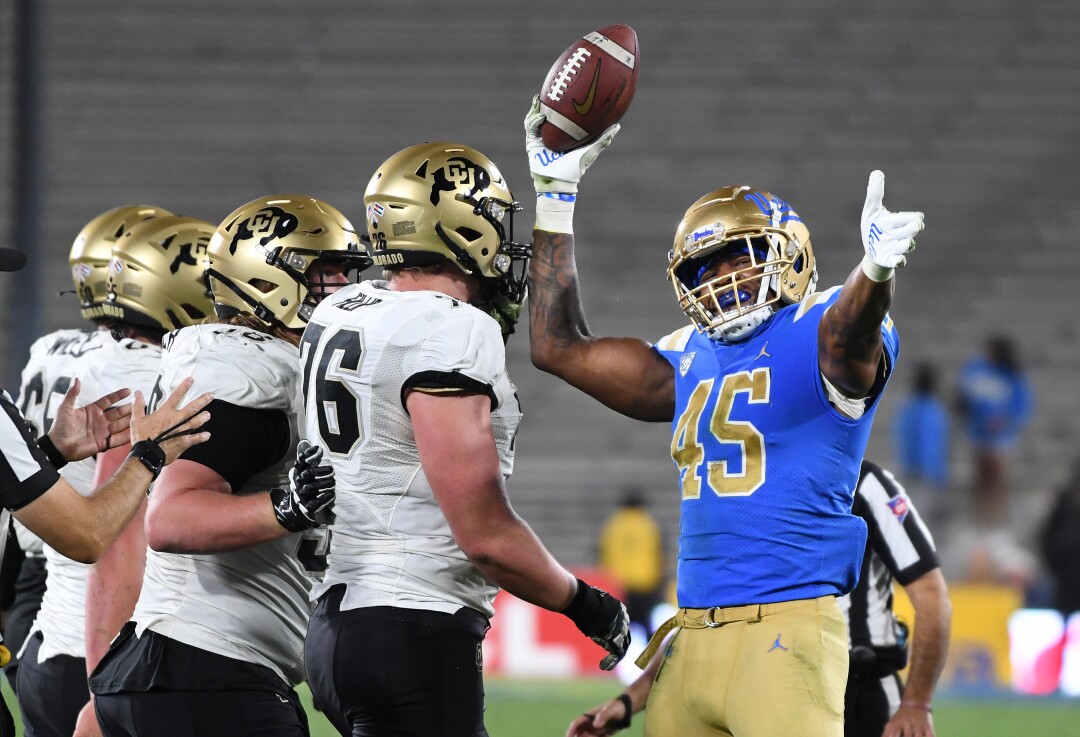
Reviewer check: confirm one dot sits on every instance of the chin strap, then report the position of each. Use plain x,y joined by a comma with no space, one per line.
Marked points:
257,307
741,327
464,259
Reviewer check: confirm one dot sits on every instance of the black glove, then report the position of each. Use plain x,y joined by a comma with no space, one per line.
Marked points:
602,618
309,500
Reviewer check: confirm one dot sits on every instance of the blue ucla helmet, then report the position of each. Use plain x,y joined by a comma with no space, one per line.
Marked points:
780,270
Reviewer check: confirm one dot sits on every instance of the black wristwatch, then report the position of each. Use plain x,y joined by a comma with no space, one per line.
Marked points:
150,455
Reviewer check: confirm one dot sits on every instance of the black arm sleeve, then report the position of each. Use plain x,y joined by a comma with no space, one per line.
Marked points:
25,472
437,382
242,442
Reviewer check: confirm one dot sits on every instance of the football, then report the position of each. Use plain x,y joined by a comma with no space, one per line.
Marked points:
589,88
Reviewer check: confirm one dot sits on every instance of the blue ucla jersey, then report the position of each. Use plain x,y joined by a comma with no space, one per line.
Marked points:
767,466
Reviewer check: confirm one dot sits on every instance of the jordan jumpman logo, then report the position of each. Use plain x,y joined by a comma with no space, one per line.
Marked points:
776,645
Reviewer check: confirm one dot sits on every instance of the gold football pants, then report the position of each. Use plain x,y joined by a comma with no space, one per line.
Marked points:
764,670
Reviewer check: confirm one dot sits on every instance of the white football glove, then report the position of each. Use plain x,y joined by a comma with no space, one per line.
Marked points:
552,172
886,236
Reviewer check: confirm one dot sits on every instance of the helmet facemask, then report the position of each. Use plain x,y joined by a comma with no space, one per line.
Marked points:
779,263
307,269
511,261
735,303
502,295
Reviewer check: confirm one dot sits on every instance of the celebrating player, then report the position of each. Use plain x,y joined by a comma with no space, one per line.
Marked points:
215,645
145,289
771,391
407,388
876,702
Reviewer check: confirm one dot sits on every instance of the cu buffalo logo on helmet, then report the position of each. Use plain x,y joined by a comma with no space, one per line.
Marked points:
268,224
186,253
459,173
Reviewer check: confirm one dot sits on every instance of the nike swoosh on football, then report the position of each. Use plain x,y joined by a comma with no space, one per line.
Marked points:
583,108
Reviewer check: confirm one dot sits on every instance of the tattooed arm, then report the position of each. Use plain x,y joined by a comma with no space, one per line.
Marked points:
850,351
623,373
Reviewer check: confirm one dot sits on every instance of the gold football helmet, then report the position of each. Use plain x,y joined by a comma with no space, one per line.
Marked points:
92,251
261,254
781,260
444,201
157,274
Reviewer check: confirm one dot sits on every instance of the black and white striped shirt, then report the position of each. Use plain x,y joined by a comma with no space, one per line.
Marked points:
898,546
25,472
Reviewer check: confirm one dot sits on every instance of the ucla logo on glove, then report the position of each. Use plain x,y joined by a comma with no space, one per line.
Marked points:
546,157
874,235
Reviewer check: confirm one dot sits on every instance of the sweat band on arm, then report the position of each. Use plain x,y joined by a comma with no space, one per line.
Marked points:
51,452
555,212
625,721
874,272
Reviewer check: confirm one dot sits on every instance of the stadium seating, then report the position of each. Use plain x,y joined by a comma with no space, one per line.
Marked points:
969,107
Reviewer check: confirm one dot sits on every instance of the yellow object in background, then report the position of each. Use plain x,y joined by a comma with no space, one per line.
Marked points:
5,656
979,647
631,549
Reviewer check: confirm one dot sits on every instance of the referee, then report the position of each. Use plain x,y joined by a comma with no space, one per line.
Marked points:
898,547
877,704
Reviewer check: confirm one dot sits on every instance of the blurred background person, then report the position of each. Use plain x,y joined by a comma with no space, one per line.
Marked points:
921,432
1060,543
995,400
632,552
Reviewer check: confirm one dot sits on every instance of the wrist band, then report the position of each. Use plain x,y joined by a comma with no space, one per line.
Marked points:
874,272
917,705
625,721
150,455
51,452
555,212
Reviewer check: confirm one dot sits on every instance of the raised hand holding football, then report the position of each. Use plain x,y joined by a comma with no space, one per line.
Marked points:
589,88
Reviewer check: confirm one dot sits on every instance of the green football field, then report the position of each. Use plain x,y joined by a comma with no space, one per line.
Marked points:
544,708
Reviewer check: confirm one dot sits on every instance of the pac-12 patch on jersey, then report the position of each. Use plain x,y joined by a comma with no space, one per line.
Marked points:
899,507
685,362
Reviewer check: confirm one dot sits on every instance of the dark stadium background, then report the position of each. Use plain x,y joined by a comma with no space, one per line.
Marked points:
970,107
